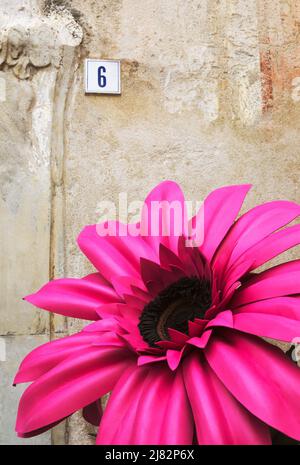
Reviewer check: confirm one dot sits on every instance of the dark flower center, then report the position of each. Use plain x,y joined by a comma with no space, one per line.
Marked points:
174,307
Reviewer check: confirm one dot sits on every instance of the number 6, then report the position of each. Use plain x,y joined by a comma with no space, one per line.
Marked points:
101,77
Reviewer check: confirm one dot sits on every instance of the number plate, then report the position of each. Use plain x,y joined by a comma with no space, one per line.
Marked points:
102,76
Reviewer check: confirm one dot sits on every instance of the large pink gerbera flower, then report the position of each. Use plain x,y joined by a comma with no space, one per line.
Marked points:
178,331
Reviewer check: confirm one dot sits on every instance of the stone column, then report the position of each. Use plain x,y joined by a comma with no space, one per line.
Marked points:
38,51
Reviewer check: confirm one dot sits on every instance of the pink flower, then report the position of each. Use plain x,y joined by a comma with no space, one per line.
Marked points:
178,330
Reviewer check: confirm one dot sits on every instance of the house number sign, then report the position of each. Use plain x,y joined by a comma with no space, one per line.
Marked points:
102,76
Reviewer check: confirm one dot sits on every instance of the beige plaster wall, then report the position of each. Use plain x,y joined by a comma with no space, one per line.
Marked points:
210,96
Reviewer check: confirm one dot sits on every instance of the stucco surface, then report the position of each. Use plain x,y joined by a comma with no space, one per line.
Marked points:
210,96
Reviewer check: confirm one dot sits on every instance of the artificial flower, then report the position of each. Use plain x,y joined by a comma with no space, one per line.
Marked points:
178,330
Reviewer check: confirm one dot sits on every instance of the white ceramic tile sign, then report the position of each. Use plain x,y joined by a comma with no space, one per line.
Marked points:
102,76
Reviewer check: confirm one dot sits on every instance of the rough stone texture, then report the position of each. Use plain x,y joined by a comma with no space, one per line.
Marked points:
16,349
211,96
37,56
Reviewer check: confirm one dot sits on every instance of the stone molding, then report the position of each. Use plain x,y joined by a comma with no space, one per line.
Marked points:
36,43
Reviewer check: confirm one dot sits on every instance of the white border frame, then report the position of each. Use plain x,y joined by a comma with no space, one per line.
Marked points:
86,76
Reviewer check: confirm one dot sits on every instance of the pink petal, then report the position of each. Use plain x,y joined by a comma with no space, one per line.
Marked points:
38,431
71,385
203,269
220,210
222,319
201,323
201,341
186,256
195,329
120,407
129,314
145,359
260,376
135,341
174,357
78,298
157,278
142,295
151,350
163,227
264,251
110,340
178,423
97,278
168,344
177,336
107,324
272,326
153,276
168,259
111,255
134,302
251,228
47,356
219,417
232,277
288,307
123,285
229,292
109,310
129,419
281,280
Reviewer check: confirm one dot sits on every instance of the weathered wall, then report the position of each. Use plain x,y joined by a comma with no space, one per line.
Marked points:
211,96
38,54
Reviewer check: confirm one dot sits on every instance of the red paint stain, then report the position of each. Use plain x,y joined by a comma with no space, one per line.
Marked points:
266,80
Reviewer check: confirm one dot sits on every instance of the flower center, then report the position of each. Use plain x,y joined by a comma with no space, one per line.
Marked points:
174,307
